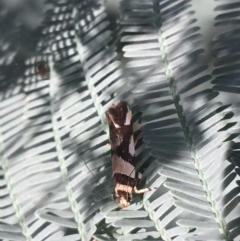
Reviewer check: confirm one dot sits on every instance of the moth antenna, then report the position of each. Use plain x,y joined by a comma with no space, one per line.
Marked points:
99,182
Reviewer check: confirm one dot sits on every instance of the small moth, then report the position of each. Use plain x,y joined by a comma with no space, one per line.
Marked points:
119,118
43,69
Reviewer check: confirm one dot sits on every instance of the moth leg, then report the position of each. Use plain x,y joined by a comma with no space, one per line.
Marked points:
143,190
137,139
116,191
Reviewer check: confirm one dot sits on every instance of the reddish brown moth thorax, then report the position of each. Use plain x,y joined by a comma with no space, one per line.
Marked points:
119,118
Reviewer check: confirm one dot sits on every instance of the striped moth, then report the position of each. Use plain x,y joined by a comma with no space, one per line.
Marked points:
119,118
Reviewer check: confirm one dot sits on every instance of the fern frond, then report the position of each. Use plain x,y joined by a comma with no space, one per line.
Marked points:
79,81
225,47
180,121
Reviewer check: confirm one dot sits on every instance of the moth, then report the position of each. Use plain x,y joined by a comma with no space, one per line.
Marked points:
43,69
119,118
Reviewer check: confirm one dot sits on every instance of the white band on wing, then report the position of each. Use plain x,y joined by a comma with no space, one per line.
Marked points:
128,118
122,167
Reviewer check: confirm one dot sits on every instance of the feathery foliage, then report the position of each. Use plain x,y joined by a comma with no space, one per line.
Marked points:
55,169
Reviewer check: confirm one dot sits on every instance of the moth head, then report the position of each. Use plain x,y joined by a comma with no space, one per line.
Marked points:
123,203
123,200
